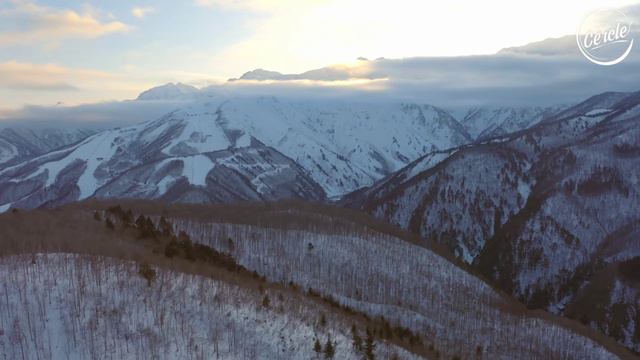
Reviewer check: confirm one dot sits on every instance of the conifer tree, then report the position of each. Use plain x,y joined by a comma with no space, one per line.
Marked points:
329,349
369,346
147,273
127,218
317,347
172,248
357,340
109,224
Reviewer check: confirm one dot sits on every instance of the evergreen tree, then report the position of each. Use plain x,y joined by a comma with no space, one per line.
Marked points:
147,273
109,224
127,218
266,302
369,346
172,249
140,222
357,340
317,347
329,349
323,320
165,227
187,246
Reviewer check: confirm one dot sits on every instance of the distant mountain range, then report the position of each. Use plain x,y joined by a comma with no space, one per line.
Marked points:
341,146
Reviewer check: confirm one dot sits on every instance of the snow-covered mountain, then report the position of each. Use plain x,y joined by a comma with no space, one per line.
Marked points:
169,91
262,75
488,122
238,149
20,143
541,212
327,73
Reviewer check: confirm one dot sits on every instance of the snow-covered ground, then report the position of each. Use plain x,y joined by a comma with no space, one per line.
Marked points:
384,276
61,306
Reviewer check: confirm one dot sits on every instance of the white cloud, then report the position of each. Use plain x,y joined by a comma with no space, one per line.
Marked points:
259,5
49,26
141,11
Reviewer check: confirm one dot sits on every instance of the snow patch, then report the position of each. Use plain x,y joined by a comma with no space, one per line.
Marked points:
596,112
196,168
103,150
4,207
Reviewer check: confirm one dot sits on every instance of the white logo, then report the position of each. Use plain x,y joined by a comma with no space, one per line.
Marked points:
604,37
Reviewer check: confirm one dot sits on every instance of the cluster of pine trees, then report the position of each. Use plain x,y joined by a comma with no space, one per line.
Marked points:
176,245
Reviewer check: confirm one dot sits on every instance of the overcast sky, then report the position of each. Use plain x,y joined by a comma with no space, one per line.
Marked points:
70,52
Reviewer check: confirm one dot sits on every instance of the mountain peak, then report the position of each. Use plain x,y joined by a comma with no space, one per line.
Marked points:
167,91
261,75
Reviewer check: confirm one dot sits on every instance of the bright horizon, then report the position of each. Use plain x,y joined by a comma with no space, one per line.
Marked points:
63,52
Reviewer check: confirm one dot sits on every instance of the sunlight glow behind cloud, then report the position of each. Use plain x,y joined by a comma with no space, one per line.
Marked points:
316,33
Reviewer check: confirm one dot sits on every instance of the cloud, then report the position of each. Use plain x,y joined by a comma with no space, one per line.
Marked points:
31,23
449,82
97,116
141,12
27,76
258,5
31,83
293,37
508,78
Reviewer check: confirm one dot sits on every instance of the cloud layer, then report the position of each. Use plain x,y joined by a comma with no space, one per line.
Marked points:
26,76
44,25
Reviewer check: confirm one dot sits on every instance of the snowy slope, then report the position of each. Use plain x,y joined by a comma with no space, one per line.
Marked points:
488,122
338,146
344,145
20,143
315,260
135,162
62,306
385,276
540,212
478,184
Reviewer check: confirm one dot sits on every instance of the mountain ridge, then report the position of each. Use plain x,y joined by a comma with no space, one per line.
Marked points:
532,210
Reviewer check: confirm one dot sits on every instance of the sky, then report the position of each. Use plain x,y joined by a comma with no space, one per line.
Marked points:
67,52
